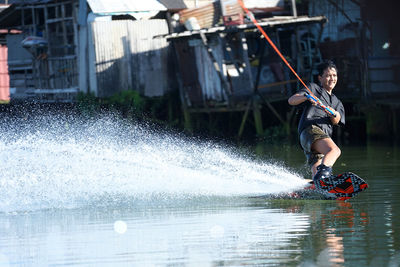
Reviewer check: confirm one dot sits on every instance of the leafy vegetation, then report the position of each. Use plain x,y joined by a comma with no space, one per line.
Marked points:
130,104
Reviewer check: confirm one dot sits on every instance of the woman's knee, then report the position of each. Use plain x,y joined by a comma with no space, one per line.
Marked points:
325,146
336,150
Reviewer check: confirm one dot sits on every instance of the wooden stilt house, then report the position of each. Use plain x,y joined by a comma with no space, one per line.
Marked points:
227,65
98,46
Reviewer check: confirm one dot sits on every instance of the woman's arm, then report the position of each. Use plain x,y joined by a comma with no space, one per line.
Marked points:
340,115
335,120
297,99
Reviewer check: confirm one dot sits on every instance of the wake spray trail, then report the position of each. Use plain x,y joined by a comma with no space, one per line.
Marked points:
64,162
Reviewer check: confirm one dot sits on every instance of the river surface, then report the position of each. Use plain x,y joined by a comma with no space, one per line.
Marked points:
102,192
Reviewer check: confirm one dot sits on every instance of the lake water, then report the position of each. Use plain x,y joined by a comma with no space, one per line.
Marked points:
101,192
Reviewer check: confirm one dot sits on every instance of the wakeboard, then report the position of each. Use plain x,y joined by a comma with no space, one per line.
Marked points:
342,187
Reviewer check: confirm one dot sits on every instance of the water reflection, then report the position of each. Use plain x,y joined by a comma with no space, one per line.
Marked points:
356,233
203,235
208,232
367,227
99,199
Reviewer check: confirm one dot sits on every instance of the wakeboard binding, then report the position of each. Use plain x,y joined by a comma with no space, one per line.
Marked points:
343,186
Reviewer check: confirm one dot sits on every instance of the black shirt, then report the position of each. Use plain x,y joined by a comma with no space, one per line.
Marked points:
314,115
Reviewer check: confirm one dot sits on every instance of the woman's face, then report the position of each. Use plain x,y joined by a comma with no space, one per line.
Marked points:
328,79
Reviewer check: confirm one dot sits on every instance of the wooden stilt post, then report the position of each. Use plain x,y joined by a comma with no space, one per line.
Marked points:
245,115
257,118
170,109
187,123
394,122
289,119
187,120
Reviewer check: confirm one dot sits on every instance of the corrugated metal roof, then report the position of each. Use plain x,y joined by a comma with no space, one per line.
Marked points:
9,17
206,16
270,22
124,6
209,15
173,5
29,1
3,6
263,3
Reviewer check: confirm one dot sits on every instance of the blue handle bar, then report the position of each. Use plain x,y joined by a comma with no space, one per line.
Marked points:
319,103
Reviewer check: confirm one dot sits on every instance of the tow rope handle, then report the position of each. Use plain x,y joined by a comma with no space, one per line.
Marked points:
310,94
319,104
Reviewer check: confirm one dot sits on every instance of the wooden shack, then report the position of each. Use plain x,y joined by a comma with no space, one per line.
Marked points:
70,46
229,68
363,44
42,58
361,37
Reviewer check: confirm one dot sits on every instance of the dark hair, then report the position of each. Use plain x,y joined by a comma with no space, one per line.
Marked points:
325,65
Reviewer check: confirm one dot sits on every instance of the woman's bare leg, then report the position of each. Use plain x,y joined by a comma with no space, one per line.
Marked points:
329,149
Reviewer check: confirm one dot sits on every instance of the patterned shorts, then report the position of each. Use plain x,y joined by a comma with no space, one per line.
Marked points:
307,137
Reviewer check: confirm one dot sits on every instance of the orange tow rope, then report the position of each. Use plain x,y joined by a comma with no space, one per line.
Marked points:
283,58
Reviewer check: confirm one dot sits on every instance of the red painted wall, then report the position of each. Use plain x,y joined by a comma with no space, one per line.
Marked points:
4,77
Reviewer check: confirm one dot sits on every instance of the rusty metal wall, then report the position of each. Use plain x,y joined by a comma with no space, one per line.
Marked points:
191,91
207,15
210,82
4,77
128,57
201,83
339,26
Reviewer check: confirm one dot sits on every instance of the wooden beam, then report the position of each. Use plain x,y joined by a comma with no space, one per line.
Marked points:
279,83
217,109
57,91
256,91
394,121
187,119
244,118
272,108
51,71
42,5
257,119
294,8
59,19
34,21
76,32
341,10
64,29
